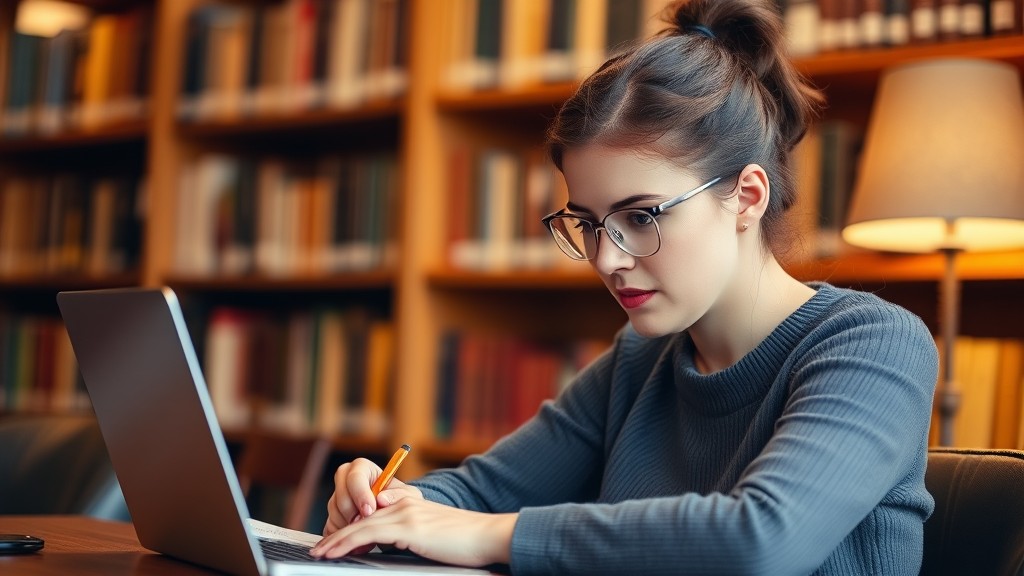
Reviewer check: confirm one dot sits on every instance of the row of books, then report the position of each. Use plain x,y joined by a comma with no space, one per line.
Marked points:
989,375
70,223
824,164
497,198
327,370
510,43
292,55
238,215
79,78
814,26
490,384
38,370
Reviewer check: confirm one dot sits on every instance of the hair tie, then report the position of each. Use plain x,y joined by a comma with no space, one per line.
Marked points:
702,30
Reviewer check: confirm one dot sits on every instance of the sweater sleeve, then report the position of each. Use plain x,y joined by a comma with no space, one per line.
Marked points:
854,424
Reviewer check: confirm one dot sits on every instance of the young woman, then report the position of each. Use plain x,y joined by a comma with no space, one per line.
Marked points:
742,422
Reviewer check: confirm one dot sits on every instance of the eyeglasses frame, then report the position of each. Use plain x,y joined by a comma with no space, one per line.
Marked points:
653,211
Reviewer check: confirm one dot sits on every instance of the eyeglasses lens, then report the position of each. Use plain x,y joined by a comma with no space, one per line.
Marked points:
634,231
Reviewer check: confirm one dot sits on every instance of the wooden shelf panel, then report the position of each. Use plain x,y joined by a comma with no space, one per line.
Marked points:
501,99
450,453
58,282
855,64
387,110
877,267
345,443
518,279
379,280
126,133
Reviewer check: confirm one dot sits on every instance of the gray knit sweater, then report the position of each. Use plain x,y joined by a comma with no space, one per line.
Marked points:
806,456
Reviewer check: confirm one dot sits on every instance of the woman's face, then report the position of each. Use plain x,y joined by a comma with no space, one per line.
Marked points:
673,289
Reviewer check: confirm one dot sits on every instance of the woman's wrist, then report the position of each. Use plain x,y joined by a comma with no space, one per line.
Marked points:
500,537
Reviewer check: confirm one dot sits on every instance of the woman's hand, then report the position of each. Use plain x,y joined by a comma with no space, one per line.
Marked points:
408,522
353,499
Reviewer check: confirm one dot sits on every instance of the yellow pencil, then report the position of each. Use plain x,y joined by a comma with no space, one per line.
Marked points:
389,471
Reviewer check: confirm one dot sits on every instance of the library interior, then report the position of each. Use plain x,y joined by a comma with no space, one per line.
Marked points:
346,197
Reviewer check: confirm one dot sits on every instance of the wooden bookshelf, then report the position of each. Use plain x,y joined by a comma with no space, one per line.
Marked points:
422,293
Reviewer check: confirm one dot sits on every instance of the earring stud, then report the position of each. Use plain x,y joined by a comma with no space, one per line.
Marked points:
745,226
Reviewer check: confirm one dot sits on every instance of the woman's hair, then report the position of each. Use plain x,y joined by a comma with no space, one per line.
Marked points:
713,92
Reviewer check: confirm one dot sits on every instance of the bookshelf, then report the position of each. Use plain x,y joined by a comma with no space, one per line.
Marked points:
424,296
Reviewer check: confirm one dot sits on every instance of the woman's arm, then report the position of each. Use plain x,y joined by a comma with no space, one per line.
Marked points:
855,424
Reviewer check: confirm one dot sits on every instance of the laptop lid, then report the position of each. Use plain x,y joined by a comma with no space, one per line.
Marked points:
158,422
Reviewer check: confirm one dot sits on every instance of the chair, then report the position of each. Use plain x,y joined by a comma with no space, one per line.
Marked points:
978,523
293,465
57,464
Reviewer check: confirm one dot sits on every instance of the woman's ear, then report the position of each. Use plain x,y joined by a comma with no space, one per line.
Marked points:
752,196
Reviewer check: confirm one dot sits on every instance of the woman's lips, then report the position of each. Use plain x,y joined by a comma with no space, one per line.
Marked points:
631,298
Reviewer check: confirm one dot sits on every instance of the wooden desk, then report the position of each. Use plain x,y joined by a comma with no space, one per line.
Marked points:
81,545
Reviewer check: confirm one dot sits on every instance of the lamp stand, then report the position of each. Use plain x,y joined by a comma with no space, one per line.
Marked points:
949,313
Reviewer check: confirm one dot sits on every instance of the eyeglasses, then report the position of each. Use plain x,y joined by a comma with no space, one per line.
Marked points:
634,230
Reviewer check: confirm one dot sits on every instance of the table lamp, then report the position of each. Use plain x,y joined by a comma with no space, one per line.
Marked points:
942,169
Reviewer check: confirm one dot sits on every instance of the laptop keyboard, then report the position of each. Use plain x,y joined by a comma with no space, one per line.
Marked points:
278,550
289,552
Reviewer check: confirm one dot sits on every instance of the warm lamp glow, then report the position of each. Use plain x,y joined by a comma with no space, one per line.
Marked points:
49,17
932,234
943,161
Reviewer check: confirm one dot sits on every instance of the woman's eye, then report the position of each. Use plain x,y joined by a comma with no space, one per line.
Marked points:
640,219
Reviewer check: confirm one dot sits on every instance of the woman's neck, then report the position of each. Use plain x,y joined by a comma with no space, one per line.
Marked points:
765,295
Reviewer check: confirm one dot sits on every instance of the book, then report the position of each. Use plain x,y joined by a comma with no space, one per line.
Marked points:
924,21
849,24
807,168
1009,393
872,23
330,370
523,41
459,33
972,18
98,68
624,22
226,366
897,22
977,361
489,37
379,377
949,16
26,52
830,13
840,144
592,36
801,19
557,62
1005,17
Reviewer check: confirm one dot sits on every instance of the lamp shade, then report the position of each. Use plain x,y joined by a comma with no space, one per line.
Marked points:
943,160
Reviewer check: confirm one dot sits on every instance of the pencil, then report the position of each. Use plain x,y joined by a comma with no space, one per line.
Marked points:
389,471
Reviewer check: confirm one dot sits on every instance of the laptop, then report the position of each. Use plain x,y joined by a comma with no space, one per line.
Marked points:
168,451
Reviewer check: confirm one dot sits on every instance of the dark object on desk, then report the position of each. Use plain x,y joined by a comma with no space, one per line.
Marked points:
978,524
57,464
19,544
292,464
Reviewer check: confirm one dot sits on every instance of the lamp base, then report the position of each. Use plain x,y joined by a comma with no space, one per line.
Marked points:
949,404
949,313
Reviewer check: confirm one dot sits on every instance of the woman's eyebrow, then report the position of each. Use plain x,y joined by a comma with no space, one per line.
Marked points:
629,200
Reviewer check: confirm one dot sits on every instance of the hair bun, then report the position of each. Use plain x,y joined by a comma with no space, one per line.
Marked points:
752,31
